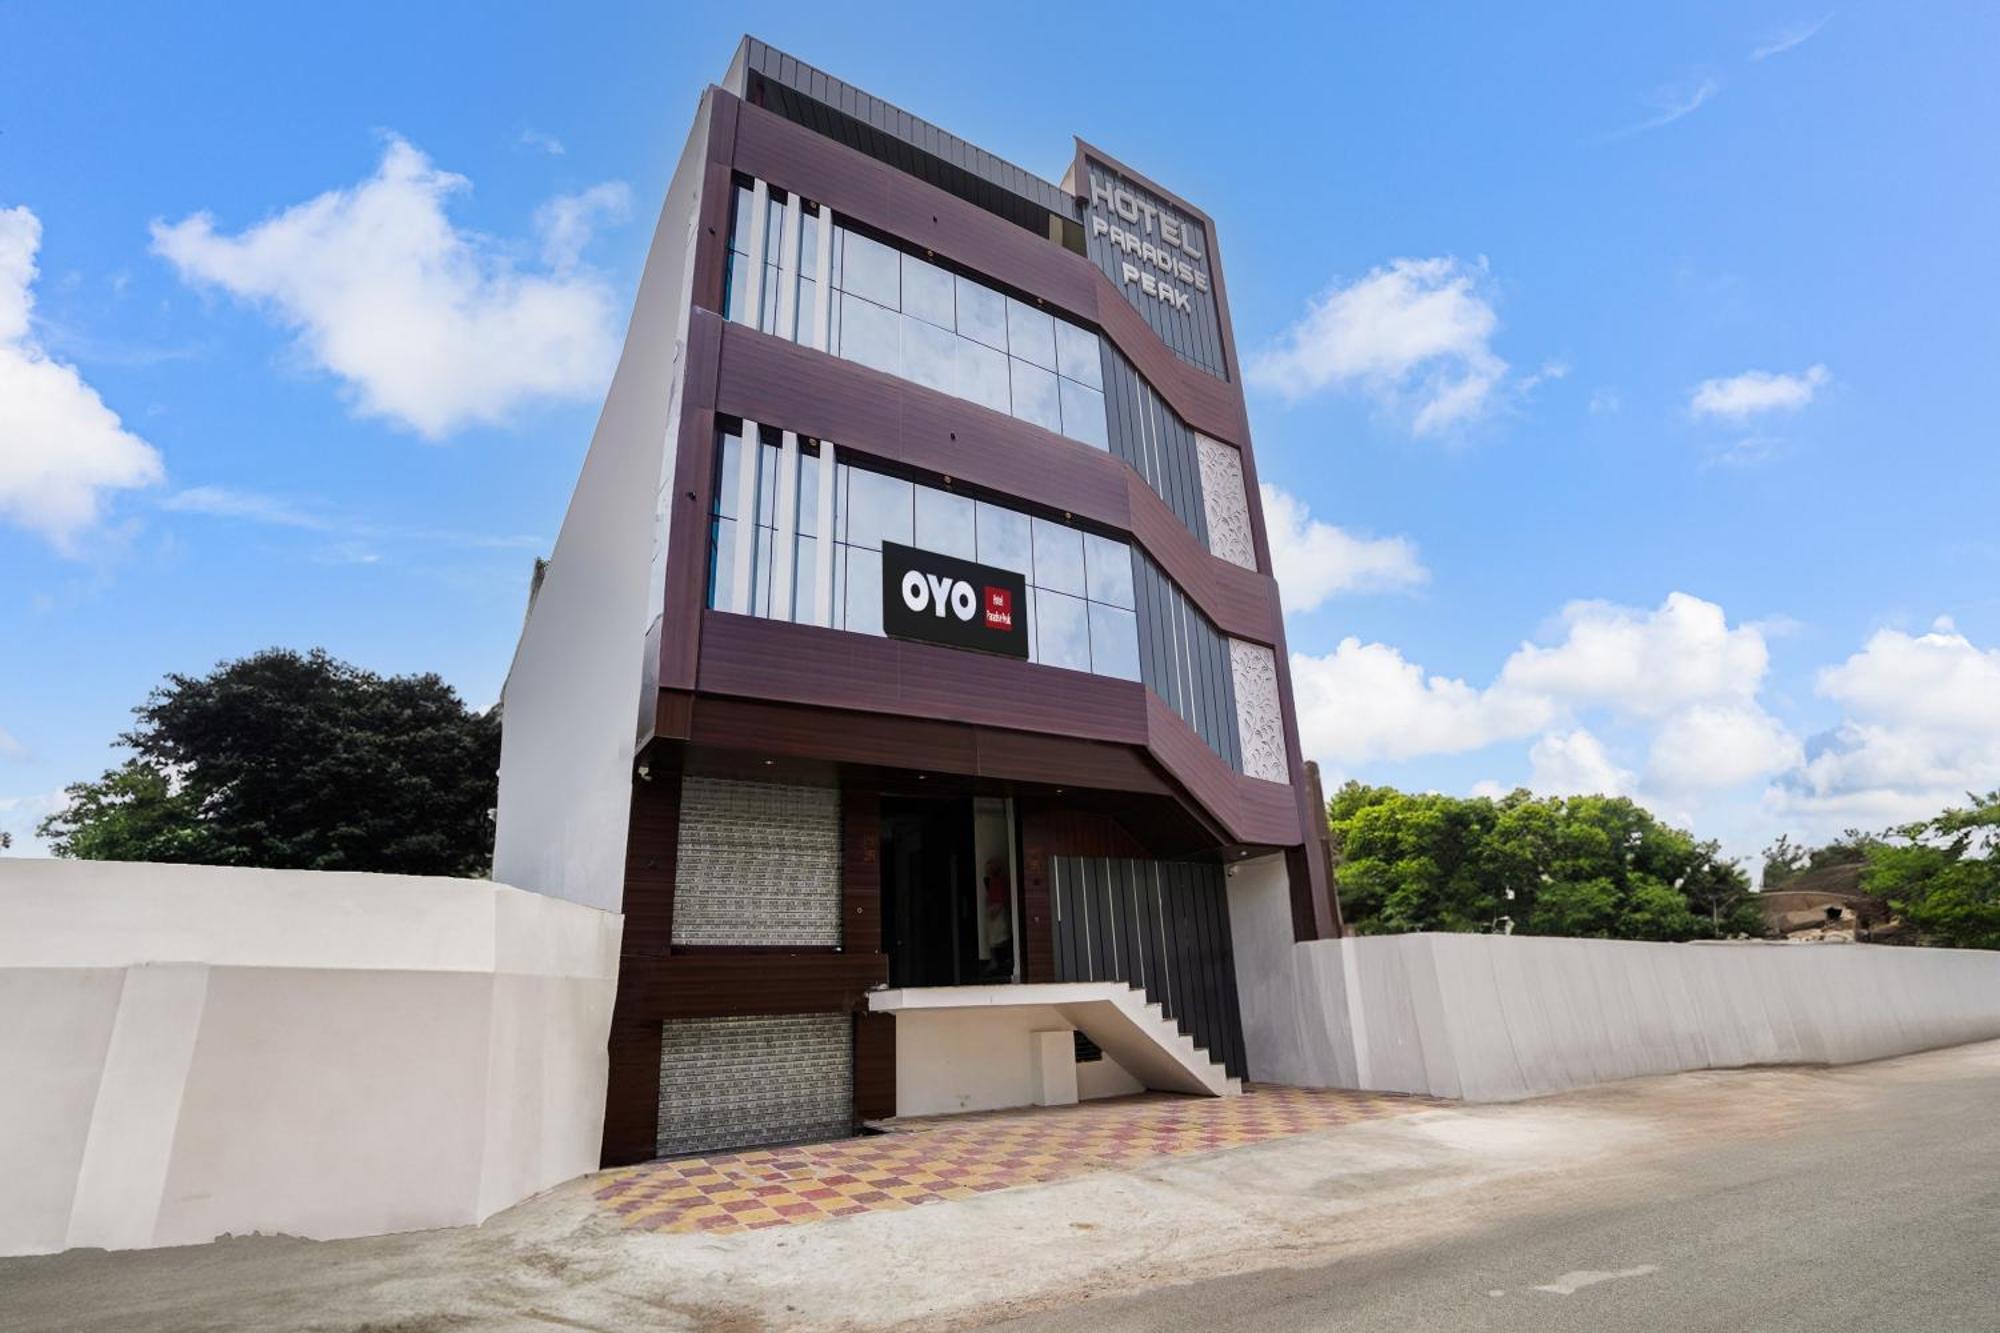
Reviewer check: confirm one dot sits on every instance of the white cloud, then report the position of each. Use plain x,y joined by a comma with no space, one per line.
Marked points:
1644,663
567,222
1415,334
1364,701
1314,561
1575,763
20,814
1719,745
11,748
543,140
1672,102
61,448
226,502
1756,392
429,325
1786,38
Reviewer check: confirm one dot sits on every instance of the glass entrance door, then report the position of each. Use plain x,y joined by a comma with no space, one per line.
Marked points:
950,908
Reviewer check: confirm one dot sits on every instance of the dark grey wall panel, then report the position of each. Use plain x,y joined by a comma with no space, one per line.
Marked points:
1146,433
1160,926
1184,659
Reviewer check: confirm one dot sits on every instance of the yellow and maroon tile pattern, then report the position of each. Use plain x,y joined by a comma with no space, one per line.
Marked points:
956,1157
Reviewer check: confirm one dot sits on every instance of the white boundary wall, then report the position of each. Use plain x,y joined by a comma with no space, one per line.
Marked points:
1494,1018
190,1051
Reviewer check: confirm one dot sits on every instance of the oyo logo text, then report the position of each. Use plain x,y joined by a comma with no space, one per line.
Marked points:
936,592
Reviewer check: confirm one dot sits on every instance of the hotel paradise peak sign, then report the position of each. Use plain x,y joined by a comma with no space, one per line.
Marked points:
1159,257
942,599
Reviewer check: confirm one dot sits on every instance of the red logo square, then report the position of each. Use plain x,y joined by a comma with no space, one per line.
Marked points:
999,608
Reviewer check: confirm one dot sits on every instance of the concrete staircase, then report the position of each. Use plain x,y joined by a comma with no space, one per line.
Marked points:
1124,1024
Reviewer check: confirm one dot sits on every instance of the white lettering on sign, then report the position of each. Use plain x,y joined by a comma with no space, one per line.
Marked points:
1163,257
938,594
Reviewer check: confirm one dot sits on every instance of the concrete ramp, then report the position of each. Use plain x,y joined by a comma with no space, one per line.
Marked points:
1124,1024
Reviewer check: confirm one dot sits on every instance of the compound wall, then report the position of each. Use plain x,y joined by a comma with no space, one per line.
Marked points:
190,1051
1493,1018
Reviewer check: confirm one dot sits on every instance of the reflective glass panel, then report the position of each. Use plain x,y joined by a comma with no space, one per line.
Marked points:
1004,540
808,494
945,523
760,575
739,223
1077,354
1035,395
1083,415
871,335
809,246
732,296
878,509
1109,565
725,486
805,594
982,314
1114,642
1058,557
722,581
927,292
1031,334
864,591
802,323
1062,630
982,375
930,355
869,268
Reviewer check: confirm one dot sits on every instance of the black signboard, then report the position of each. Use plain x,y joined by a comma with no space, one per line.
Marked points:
942,599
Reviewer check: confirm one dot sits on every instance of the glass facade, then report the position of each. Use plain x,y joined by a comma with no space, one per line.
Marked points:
905,316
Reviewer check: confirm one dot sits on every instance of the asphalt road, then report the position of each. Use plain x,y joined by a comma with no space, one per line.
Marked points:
1892,1222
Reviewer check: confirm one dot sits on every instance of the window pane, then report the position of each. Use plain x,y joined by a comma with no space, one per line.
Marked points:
871,335
982,375
760,575
927,292
1114,642
722,568
725,485
1083,415
1058,557
802,325
805,594
878,510
732,291
864,591
1077,354
836,611
1109,564
767,320
739,222
1035,395
982,314
808,245
808,493
1004,540
944,523
1062,630
1031,334
774,226
868,268
930,355
767,484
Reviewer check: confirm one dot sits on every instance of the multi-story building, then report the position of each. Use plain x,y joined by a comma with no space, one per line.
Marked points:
909,670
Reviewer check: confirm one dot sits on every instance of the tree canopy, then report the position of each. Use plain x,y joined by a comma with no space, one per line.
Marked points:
1942,875
295,760
1595,866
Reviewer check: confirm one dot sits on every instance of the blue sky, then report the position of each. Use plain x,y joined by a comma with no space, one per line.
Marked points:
1625,372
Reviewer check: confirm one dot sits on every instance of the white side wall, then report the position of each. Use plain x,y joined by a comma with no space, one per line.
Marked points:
191,1051
950,1060
1493,1018
590,648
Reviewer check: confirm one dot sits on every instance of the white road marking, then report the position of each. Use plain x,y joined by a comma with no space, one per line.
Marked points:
1569,1284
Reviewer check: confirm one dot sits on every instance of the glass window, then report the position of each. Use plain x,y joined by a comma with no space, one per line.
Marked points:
1114,642
739,224
774,226
760,574
1077,354
930,355
809,247
805,593
878,509
869,268
767,318
1058,557
945,523
927,292
1031,334
871,335
1035,395
1109,565
1083,415
733,289
1004,541
802,324
725,486
808,494
864,590
767,484
722,580
1062,630
982,375
982,314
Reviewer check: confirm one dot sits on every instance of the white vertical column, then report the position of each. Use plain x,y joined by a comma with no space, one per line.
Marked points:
788,272
823,308
782,559
749,462
823,566
752,310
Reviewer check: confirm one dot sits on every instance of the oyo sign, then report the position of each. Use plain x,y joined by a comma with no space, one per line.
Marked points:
942,599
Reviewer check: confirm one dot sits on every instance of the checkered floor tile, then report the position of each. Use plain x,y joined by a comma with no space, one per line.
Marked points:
955,1157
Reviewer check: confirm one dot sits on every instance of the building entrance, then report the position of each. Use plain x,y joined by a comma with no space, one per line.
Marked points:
949,898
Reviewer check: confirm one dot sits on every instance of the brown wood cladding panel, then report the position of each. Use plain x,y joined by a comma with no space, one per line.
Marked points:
1024,757
861,870
880,196
1240,601
874,1066
652,852
769,659
687,530
799,732
712,985
632,1095
1253,811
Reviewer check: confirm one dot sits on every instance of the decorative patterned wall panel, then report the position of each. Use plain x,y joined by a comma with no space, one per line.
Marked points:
734,1082
759,864
1225,502
1260,722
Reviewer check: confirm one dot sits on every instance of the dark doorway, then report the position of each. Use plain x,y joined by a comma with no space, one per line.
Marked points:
948,901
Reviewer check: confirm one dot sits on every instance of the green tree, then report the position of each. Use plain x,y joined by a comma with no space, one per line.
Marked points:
295,760
1942,876
1783,859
